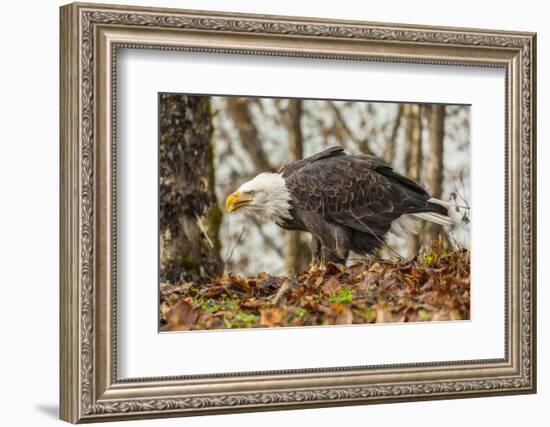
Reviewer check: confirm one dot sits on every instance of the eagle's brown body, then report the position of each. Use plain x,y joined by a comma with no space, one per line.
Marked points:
349,202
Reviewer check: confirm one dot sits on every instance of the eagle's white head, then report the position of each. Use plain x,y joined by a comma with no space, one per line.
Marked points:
265,196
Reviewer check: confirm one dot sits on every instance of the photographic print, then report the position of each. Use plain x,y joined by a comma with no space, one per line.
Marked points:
335,185
279,212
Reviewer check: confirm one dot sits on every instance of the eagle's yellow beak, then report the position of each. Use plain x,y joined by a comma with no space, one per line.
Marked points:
237,200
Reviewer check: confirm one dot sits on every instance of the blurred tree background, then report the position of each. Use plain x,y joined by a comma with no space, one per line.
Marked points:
209,146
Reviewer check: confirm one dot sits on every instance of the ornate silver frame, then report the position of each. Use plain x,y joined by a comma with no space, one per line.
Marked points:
90,36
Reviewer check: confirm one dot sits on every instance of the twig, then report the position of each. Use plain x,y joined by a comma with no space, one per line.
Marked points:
378,238
361,145
203,229
269,242
457,192
234,246
453,239
282,290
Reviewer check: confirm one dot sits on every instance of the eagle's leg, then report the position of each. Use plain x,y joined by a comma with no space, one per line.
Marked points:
331,256
316,252
336,251
329,242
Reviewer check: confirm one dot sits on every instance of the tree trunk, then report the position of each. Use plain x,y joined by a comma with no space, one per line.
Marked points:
414,142
237,109
389,148
413,156
297,252
189,214
434,167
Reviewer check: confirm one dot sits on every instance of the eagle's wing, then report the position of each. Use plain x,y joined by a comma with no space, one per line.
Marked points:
295,166
359,192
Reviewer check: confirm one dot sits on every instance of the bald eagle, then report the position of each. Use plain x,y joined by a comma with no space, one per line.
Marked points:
349,203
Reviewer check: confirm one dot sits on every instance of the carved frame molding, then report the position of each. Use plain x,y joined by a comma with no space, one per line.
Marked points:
90,37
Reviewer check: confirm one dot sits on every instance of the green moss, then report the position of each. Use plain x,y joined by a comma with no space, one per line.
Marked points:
231,305
299,312
343,296
210,305
430,256
186,261
214,220
227,323
427,258
245,320
423,315
369,314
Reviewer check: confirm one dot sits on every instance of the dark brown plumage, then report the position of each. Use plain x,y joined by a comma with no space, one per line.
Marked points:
348,202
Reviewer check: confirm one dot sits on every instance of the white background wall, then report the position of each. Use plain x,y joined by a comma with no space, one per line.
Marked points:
29,170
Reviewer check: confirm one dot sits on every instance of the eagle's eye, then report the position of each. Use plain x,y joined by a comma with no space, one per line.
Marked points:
250,193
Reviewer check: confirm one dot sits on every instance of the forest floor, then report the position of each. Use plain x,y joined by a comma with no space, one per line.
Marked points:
434,286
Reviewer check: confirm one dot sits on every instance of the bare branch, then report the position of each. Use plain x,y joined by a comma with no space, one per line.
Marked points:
361,144
234,246
238,110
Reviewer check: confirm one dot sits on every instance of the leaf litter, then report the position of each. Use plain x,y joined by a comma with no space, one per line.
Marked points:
434,286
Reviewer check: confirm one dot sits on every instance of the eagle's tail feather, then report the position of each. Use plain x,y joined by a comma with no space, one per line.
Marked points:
435,217
446,204
404,226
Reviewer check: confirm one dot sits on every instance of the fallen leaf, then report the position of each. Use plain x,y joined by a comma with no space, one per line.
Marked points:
214,291
332,269
428,285
337,307
251,304
409,283
269,282
343,314
388,282
263,276
382,315
433,286
319,281
376,268
270,317
332,286
465,281
181,316
281,292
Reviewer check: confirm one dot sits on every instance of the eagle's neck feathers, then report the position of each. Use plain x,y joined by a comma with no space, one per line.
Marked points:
272,199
